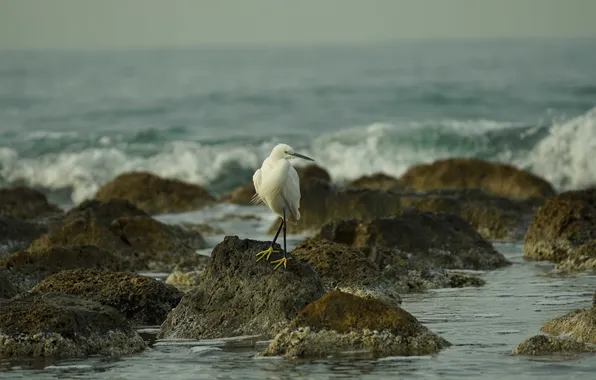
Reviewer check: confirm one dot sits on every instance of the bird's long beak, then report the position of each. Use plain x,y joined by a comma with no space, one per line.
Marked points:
301,156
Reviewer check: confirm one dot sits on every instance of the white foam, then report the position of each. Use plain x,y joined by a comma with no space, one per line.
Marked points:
565,156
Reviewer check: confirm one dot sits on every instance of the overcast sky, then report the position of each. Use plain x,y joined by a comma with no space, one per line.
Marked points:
147,23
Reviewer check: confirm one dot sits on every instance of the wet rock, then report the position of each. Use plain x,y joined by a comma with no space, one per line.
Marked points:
559,229
377,181
347,269
202,228
582,258
120,228
494,218
340,322
16,234
25,203
437,239
26,269
155,195
141,299
7,289
239,296
541,345
63,325
471,173
191,236
579,324
189,272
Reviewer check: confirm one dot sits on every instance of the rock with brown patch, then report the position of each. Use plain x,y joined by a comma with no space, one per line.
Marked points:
472,173
340,322
155,195
377,181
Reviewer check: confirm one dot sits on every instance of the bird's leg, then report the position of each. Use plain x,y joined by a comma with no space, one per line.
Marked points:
283,260
266,253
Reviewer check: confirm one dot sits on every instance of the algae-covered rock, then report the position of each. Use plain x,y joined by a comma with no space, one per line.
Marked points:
120,228
239,296
25,203
63,325
377,181
542,345
347,269
26,269
155,195
563,230
579,324
472,173
143,300
7,289
438,239
340,322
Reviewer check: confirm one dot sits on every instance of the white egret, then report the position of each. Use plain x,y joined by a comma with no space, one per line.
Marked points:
277,186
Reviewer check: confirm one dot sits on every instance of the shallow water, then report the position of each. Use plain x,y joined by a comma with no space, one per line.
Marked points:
483,324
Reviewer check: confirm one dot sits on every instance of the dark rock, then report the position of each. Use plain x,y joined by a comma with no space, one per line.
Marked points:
312,171
143,300
25,203
7,289
438,239
493,217
65,326
377,181
120,228
26,269
472,173
239,296
542,345
155,195
16,234
339,322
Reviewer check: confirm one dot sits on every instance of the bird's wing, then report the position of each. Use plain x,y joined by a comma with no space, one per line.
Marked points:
256,180
291,194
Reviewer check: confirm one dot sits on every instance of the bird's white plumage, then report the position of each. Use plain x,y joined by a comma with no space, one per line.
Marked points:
277,184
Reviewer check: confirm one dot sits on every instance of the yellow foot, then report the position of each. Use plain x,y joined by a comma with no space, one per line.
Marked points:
266,253
279,262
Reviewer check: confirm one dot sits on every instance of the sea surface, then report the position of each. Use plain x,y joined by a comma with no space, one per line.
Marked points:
71,121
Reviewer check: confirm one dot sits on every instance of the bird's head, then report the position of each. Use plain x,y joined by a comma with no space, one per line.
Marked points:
284,151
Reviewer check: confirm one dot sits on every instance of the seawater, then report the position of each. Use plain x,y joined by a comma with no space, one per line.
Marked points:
71,121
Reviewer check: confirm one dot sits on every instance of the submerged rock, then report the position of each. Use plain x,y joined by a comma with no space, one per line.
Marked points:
63,325
26,269
25,203
340,322
563,230
16,234
141,299
239,296
347,269
120,228
377,181
155,195
542,345
472,173
436,239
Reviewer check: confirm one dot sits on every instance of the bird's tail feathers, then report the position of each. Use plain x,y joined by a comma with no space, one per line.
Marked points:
256,200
